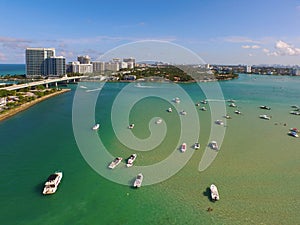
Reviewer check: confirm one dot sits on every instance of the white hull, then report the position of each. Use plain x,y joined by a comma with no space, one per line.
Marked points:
115,162
52,183
214,192
138,181
183,147
96,127
131,160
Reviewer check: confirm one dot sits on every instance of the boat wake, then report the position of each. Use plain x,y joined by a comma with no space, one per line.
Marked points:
97,89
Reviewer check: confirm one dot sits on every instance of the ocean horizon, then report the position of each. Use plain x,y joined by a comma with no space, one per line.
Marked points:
12,69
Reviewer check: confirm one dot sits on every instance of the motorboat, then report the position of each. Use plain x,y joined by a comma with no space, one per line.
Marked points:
214,145
52,183
197,145
219,122
176,100
203,108
266,117
293,134
115,162
214,192
232,105
183,112
183,147
130,160
227,117
237,112
138,181
197,104
295,113
294,129
169,110
204,102
96,126
265,107
131,126
159,121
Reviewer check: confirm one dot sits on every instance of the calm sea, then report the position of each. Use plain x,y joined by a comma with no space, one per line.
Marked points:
12,69
256,170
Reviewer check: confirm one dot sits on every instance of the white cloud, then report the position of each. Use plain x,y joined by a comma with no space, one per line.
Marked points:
284,48
250,46
265,50
240,39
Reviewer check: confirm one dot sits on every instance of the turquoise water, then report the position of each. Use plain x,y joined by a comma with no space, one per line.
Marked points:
12,69
256,170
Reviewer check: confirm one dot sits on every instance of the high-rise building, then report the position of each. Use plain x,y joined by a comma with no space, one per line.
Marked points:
98,67
43,62
130,62
56,66
85,59
35,60
77,67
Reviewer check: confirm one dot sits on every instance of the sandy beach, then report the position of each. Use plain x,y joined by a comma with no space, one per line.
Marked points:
27,105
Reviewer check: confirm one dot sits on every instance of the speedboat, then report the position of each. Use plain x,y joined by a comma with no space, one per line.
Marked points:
265,117
158,121
214,145
219,122
138,181
183,112
197,145
295,113
183,147
204,102
169,110
203,108
294,129
214,192
176,100
293,134
130,160
227,117
52,183
232,105
197,104
131,126
237,112
96,126
264,107
115,162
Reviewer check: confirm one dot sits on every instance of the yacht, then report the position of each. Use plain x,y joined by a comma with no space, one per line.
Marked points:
131,126
232,105
96,126
176,100
203,108
293,134
138,181
265,107
237,112
219,122
295,113
115,162
214,145
214,192
204,101
52,183
169,110
266,117
130,160
158,121
197,145
183,147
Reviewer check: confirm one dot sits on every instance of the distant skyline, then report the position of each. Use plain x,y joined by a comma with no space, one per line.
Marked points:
220,32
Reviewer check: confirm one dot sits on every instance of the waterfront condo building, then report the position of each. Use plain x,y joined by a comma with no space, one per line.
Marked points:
43,62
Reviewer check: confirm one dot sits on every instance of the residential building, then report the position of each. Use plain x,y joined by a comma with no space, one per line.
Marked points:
77,67
84,59
56,66
98,67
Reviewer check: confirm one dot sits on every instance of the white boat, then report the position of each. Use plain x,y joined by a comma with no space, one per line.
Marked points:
295,113
159,121
219,122
232,105
197,104
214,145
227,117
130,160
266,117
176,100
183,112
96,126
293,134
237,112
203,108
52,183
138,181
214,192
183,147
169,110
115,162
131,126
265,107
204,102
197,145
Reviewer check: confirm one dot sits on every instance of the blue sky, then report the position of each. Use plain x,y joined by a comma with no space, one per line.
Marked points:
219,31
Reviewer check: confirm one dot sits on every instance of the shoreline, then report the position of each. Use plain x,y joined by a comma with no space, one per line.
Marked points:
27,105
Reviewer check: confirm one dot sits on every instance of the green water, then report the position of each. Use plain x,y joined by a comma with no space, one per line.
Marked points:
256,171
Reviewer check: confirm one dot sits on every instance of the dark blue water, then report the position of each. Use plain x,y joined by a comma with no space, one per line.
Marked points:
12,69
